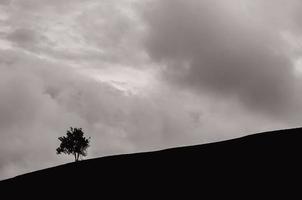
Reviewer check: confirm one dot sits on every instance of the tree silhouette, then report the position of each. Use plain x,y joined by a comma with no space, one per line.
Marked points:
74,143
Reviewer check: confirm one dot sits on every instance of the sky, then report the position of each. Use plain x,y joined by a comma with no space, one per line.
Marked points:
142,75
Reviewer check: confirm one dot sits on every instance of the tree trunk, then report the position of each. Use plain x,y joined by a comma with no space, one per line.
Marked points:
77,156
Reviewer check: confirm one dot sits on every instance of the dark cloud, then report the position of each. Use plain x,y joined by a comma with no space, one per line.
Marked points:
5,2
211,46
25,38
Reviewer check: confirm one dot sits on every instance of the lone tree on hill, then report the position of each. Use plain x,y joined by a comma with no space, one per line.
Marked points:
74,143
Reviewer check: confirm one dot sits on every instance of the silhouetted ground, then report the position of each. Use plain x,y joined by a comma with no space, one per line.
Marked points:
252,164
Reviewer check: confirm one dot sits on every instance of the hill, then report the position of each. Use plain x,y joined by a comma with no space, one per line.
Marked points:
270,158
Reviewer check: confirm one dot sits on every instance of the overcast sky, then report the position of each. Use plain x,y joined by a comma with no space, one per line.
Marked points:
140,75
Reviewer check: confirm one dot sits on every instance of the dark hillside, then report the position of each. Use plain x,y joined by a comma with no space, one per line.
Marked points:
264,159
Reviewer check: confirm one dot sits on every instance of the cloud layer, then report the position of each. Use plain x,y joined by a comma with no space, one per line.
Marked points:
224,49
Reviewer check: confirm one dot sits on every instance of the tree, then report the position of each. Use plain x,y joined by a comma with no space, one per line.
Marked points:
74,143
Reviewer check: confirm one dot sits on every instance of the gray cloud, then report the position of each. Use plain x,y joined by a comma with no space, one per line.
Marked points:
26,38
212,46
78,31
5,2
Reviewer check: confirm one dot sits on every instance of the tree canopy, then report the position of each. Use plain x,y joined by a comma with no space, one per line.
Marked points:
74,143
